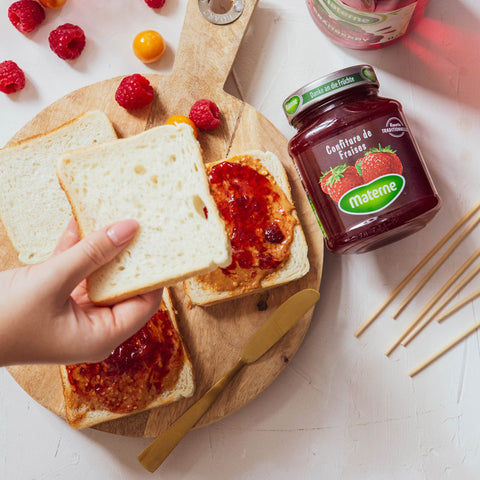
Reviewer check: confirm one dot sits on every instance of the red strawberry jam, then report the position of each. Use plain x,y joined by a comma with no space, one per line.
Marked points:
135,372
358,162
258,220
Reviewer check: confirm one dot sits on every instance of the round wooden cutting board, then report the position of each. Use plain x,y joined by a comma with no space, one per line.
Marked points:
214,335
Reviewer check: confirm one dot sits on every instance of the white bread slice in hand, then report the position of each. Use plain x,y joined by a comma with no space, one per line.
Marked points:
80,415
158,178
296,266
33,207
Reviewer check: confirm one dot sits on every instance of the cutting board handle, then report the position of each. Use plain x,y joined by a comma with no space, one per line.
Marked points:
206,51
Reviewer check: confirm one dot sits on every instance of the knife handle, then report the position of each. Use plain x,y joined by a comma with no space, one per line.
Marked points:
154,455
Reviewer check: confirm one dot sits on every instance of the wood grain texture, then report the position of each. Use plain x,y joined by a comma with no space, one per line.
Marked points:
214,335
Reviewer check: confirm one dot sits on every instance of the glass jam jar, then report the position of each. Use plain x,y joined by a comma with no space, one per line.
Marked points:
366,24
359,164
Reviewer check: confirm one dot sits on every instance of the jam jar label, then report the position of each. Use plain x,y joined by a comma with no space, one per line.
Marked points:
372,197
337,85
366,169
363,26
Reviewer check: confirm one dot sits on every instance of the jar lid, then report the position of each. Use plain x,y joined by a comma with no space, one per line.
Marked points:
328,86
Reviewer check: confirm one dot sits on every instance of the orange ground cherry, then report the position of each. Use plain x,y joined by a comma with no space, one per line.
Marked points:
176,119
148,46
53,3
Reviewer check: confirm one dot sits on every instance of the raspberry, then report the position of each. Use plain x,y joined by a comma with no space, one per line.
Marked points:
26,15
155,3
134,92
67,41
12,78
205,114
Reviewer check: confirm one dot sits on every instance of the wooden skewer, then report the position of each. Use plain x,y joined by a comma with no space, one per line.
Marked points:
419,266
445,349
458,288
419,324
439,308
387,302
458,306
454,245
437,265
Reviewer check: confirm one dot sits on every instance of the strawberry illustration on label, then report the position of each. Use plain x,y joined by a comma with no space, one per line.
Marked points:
339,180
378,162
324,182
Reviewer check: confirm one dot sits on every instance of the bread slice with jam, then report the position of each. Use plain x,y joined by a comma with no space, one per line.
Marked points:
269,248
150,369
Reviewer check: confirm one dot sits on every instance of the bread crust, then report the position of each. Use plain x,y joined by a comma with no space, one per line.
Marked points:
68,123
84,417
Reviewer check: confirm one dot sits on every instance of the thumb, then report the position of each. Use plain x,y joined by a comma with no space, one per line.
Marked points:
96,249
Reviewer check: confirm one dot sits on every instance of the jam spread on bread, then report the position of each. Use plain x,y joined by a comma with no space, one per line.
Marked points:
258,218
135,373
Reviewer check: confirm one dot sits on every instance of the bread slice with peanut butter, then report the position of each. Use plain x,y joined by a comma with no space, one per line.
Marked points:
269,248
150,369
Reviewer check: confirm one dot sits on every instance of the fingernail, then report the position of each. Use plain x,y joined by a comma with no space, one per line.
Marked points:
121,232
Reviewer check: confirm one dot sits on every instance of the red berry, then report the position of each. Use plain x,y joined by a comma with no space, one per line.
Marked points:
378,162
12,78
67,41
205,114
134,92
155,3
342,180
26,15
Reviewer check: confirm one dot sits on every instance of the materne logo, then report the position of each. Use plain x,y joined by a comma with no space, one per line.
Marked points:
292,104
374,196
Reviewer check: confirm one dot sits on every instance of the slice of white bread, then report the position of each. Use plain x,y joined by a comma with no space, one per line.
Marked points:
33,207
158,178
296,266
80,414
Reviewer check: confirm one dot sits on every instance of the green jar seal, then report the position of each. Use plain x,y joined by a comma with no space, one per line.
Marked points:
328,86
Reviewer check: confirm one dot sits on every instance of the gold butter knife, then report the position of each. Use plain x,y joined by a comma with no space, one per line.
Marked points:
276,326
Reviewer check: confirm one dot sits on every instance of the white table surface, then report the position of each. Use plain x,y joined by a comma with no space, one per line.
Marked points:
341,409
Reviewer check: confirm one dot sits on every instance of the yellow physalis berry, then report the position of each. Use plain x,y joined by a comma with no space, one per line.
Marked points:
53,3
148,46
176,119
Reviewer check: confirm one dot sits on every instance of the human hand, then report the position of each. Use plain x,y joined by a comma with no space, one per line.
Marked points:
46,315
